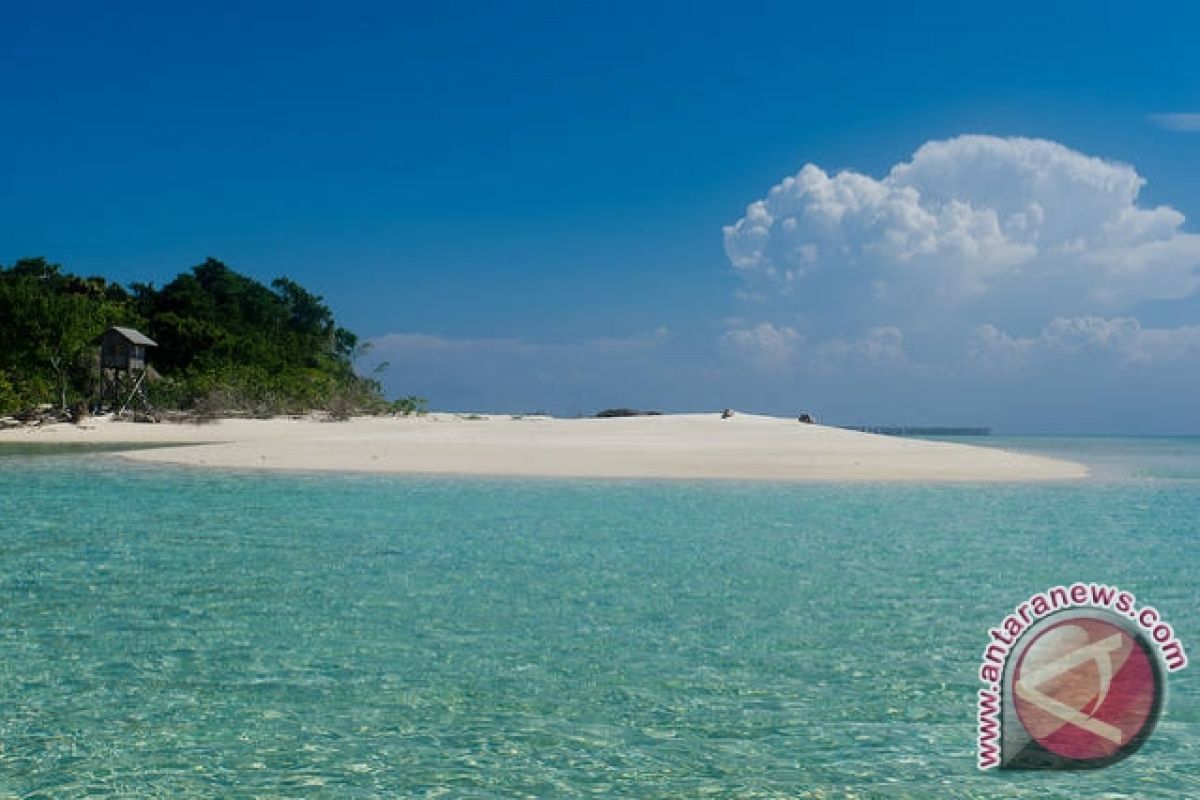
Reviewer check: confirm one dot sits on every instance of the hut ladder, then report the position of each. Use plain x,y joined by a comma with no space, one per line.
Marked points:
136,391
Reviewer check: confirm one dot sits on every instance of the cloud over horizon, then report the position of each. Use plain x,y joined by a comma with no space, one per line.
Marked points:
1122,339
971,239
519,375
1186,122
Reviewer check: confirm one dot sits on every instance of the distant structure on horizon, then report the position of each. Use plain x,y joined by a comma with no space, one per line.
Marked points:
123,368
919,430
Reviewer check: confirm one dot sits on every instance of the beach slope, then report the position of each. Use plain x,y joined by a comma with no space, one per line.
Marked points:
670,446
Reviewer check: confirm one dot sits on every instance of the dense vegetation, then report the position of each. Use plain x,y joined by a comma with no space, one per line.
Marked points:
226,342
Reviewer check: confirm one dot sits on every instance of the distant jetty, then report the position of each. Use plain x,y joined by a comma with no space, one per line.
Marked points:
919,430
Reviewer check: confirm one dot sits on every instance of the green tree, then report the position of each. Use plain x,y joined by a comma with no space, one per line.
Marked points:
220,334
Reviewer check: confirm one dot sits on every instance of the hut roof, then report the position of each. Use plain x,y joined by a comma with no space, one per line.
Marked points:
135,337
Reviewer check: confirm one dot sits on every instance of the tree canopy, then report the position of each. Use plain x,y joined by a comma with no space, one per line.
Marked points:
223,337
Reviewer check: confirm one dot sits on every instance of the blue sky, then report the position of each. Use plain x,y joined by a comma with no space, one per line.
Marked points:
526,206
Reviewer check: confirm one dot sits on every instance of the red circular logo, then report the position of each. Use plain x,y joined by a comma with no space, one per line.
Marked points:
1087,690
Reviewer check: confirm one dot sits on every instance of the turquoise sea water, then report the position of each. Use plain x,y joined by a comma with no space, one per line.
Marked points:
178,633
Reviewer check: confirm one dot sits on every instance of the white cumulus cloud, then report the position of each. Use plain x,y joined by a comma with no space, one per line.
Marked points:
982,250
771,347
1123,338
764,345
973,219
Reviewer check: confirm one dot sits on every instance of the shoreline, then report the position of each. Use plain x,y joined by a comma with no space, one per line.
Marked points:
675,446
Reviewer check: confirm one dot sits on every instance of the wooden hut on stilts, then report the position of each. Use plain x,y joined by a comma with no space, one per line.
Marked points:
123,367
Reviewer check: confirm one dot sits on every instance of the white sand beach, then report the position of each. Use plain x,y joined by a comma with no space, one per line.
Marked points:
671,446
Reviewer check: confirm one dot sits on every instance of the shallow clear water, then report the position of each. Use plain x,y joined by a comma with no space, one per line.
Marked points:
175,633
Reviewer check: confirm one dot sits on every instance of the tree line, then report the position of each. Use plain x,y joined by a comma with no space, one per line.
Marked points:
226,342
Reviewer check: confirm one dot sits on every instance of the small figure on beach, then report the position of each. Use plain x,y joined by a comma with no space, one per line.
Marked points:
807,419
727,413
